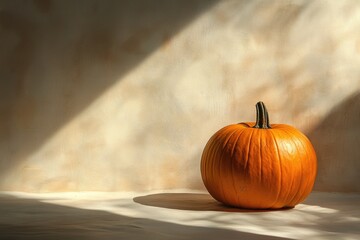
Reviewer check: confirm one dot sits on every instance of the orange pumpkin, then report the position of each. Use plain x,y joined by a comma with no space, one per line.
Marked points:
259,165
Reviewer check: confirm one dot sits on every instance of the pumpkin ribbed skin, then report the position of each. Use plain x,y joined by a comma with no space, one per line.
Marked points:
259,168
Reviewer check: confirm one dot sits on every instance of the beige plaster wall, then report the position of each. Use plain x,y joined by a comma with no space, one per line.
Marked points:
123,95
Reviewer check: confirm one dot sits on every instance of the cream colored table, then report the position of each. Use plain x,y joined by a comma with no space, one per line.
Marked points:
175,214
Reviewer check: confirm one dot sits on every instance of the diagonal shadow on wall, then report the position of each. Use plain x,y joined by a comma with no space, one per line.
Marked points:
56,57
336,141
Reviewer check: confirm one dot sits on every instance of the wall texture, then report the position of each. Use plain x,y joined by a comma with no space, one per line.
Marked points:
123,95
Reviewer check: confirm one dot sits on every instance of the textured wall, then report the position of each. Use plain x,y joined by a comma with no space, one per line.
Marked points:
123,95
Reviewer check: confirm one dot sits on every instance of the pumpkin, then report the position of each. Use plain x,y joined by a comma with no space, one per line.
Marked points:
259,165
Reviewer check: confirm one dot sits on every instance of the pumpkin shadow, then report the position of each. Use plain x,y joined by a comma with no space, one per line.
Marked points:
192,202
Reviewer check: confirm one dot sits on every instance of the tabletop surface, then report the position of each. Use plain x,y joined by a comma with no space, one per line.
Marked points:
171,214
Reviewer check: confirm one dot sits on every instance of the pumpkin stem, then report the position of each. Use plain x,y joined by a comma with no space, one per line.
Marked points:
262,116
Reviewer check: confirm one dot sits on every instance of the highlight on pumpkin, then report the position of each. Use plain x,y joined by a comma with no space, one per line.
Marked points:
259,167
